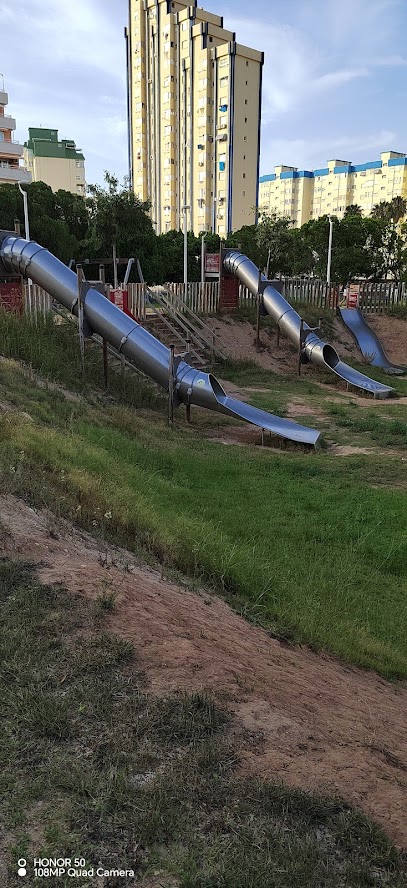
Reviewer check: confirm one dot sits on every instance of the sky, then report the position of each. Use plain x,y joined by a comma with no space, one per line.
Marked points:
334,84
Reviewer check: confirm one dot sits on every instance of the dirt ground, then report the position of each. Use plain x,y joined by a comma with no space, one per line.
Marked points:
302,718
238,338
393,334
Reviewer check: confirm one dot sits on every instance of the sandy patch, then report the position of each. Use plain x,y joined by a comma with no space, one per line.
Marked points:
238,339
393,334
300,717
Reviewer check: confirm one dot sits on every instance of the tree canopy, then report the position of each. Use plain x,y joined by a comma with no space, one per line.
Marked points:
71,227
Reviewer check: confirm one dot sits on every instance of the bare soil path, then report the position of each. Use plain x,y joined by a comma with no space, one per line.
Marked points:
300,717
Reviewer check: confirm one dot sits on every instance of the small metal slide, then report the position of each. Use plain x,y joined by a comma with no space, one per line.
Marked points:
315,350
368,341
19,256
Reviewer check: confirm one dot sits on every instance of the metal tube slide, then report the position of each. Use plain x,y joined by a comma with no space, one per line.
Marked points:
368,341
316,351
134,342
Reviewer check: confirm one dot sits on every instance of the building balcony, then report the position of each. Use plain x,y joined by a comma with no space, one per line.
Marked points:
10,176
10,149
7,123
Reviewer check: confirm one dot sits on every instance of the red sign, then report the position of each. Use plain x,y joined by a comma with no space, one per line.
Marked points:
212,265
11,297
352,297
117,296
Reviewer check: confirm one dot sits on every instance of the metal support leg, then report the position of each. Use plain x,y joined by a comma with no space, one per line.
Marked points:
258,313
102,278
81,278
171,388
301,345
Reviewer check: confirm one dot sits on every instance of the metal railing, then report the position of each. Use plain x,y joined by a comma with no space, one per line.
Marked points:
152,297
188,318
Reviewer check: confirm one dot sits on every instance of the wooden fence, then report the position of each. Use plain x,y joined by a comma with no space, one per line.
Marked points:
313,292
380,297
203,299
200,298
137,301
37,302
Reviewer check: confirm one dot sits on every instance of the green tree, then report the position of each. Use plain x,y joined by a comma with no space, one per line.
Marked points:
171,250
353,210
276,241
390,210
356,247
120,219
48,224
245,239
71,209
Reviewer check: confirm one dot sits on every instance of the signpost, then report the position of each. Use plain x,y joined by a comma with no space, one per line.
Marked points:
212,264
120,297
352,298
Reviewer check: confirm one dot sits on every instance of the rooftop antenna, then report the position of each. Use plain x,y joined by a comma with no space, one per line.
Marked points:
2,82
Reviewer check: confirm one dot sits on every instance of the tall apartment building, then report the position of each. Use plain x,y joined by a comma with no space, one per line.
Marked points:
194,104
60,164
307,194
10,151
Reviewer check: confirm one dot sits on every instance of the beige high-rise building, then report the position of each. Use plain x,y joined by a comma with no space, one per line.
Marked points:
308,194
194,100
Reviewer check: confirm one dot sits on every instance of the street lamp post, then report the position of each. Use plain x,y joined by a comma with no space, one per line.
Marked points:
26,229
185,209
328,268
25,202
203,258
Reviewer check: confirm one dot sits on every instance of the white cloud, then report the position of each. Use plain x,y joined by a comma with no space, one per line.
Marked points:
295,66
363,25
69,73
311,153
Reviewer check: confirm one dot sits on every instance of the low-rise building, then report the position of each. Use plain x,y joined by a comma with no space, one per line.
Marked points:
10,151
58,163
307,194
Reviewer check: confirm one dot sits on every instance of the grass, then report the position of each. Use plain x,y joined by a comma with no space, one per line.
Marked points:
52,349
383,431
398,311
95,766
231,519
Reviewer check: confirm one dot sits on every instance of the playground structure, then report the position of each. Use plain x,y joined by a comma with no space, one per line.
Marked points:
96,314
185,383
312,349
367,341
